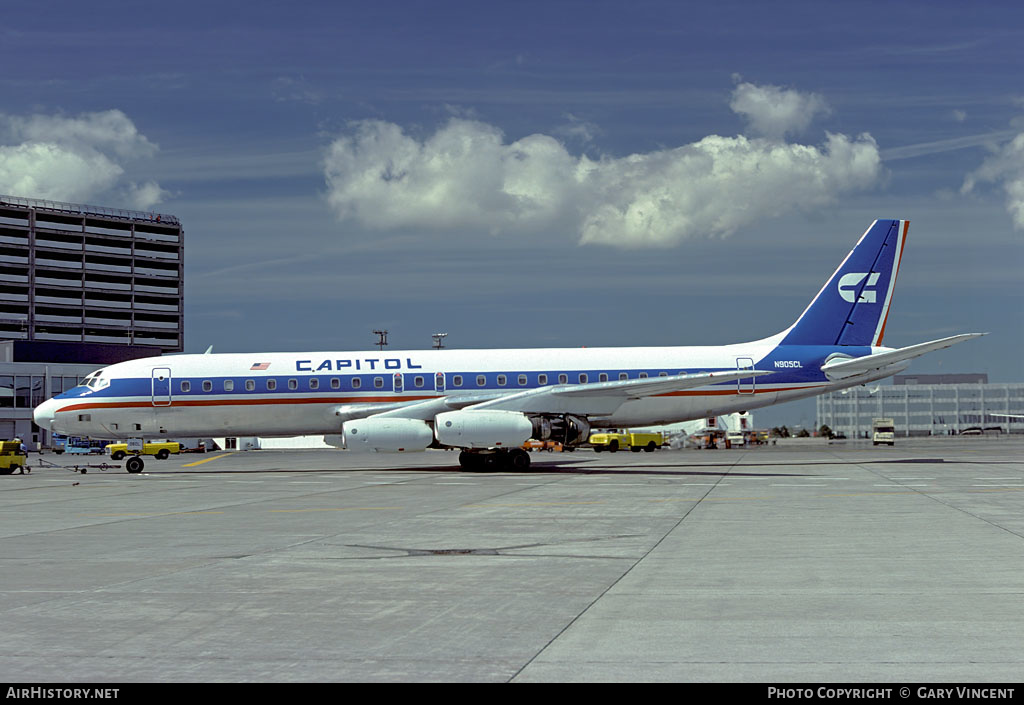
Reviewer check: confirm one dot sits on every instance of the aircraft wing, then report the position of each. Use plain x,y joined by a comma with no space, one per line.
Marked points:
594,399
603,398
423,410
841,369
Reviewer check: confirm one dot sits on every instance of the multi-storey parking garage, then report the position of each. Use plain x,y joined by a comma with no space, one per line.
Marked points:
82,274
80,287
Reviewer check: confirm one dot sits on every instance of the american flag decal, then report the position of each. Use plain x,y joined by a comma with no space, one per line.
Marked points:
260,366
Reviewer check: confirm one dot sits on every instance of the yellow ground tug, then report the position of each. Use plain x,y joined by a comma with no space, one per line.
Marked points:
12,457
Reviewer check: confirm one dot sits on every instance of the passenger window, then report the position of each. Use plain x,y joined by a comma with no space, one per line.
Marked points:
457,381
623,375
250,385
663,374
335,383
357,382
293,384
522,380
642,375
207,385
186,386
603,377
418,381
542,380
563,379
271,385
378,382
502,379
583,378
229,385
314,383
481,380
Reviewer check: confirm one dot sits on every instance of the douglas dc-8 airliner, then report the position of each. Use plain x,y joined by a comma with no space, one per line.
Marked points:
489,402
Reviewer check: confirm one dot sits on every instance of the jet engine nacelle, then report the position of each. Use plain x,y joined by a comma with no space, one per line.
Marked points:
567,429
386,435
483,429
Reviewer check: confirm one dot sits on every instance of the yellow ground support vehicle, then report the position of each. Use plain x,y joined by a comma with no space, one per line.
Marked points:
160,450
11,457
636,442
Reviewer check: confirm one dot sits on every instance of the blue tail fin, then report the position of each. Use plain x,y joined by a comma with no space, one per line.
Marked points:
852,307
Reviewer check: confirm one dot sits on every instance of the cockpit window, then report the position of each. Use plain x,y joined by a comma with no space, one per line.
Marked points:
95,381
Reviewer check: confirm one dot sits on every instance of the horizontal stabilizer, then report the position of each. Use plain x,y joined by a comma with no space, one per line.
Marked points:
843,368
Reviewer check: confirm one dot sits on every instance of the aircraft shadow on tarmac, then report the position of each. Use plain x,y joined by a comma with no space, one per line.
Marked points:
578,467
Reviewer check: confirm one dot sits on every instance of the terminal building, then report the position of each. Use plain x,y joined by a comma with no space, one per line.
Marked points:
926,405
81,287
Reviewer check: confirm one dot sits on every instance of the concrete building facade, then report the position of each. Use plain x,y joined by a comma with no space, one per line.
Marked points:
923,405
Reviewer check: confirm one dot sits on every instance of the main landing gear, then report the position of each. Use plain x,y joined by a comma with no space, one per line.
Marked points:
515,459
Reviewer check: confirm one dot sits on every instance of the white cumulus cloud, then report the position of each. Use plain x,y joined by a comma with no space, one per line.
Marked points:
73,158
467,176
1005,167
719,184
776,112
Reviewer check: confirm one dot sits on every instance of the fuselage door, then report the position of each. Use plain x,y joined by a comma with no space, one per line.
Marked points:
439,382
746,384
161,386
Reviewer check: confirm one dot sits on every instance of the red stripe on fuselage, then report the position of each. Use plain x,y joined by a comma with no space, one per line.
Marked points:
84,406
238,402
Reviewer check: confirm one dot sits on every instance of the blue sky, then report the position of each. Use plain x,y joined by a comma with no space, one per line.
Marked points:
539,174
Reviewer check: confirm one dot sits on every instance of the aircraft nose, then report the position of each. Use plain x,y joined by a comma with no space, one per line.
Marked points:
44,413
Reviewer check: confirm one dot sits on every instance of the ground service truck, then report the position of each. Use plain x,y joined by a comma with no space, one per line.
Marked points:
636,442
883,431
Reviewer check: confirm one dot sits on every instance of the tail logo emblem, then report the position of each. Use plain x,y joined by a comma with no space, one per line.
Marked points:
848,284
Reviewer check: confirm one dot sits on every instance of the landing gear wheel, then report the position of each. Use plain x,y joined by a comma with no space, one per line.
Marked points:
470,461
134,464
518,459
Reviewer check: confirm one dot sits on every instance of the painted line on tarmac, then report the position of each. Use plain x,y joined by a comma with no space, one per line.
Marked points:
332,509
154,516
531,504
206,460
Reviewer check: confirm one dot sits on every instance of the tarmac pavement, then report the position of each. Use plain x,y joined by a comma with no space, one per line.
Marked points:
802,562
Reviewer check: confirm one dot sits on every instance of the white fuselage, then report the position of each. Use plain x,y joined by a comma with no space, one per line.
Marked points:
287,394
